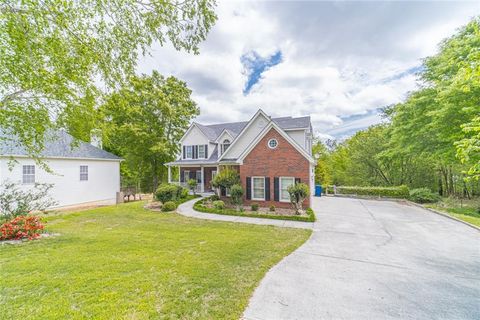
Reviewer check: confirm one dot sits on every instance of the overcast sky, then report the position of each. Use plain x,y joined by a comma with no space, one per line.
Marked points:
337,62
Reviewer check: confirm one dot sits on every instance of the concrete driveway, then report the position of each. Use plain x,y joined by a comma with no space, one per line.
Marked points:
372,259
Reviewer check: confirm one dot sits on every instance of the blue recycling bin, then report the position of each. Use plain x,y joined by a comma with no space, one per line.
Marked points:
318,190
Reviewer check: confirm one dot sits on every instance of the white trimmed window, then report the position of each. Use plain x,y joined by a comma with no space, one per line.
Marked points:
272,143
28,174
201,151
285,182
186,175
225,145
198,175
258,188
189,152
83,173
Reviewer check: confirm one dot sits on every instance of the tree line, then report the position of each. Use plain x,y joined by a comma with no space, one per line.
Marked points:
432,139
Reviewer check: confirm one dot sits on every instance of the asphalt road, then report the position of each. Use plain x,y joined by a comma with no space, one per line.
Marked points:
372,259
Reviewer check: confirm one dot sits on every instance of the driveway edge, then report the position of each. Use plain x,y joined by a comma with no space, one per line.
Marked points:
446,215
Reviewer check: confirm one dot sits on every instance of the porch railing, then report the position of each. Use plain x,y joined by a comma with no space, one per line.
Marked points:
185,185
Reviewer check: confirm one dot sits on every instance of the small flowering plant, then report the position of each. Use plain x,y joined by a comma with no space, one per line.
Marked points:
22,227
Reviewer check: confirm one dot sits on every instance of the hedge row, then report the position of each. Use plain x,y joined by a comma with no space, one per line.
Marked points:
388,192
200,206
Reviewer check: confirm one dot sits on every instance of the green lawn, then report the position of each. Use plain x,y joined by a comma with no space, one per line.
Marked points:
467,210
124,262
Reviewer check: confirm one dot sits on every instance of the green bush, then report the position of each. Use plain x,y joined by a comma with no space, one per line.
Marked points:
254,207
192,185
167,192
388,192
214,197
236,194
219,204
183,193
272,208
423,195
169,206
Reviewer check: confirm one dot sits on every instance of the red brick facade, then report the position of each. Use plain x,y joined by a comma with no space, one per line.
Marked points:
283,161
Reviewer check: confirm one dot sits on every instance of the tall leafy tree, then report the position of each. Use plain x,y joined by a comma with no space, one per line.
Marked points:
143,122
54,53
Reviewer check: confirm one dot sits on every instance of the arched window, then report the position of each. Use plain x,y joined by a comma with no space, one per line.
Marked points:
225,145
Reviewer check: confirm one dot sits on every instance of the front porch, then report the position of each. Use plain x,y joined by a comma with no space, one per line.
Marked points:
203,174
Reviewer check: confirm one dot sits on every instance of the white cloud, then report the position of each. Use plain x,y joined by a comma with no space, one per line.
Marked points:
339,59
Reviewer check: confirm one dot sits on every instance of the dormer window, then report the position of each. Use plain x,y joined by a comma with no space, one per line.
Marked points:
225,145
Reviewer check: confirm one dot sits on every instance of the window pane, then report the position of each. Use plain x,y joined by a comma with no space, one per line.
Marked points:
284,184
258,183
259,188
201,151
189,151
28,174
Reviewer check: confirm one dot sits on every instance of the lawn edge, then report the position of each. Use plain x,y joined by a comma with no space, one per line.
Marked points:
445,214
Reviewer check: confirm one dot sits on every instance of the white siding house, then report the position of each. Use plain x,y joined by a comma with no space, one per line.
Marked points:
81,173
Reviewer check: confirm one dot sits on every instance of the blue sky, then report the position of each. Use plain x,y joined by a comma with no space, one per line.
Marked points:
339,62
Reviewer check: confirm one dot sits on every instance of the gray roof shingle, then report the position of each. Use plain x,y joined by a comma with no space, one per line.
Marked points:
212,131
58,144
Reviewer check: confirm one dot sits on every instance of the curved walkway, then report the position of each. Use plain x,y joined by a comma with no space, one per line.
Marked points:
186,209
370,259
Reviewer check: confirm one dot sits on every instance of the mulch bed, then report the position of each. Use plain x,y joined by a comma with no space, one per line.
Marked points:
13,242
261,210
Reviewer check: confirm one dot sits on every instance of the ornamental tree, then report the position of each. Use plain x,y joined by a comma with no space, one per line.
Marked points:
298,193
53,55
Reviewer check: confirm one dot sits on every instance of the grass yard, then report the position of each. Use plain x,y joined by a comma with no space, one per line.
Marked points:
124,262
467,210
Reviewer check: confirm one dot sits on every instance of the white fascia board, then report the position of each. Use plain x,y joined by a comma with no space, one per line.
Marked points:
283,134
59,158
258,113
225,131
190,129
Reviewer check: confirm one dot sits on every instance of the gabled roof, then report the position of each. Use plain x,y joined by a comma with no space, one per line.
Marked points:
58,144
276,127
213,131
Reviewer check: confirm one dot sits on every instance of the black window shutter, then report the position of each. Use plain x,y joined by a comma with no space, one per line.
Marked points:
184,153
267,188
196,152
206,151
276,189
249,188
223,191
181,176
297,180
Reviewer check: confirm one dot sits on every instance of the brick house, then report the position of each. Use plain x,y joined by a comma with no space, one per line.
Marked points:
269,153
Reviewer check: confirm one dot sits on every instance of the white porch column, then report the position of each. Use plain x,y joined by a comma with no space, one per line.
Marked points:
169,174
202,175
179,176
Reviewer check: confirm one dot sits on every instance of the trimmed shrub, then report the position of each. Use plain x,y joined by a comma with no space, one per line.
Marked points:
192,185
423,195
167,192
183,193
214,198
298,193
272,208
169,206
236,194
21,227
254,207
219,204
388,192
